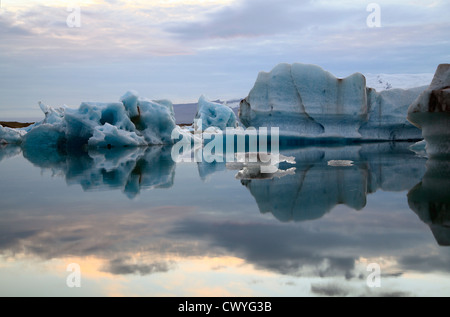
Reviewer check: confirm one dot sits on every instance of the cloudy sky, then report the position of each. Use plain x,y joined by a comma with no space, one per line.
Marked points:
180,49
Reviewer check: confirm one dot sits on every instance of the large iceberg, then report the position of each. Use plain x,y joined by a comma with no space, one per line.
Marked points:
307,101
133,121
431,112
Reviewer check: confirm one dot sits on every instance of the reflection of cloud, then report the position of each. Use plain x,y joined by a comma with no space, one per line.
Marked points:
329,290
391,294
333,289
112,237
427,262
266,247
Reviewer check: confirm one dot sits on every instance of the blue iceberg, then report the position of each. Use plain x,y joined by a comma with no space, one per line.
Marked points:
431,113
308,102
215,115
132,122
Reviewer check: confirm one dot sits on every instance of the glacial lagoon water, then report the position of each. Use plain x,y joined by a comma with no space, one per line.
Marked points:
138,224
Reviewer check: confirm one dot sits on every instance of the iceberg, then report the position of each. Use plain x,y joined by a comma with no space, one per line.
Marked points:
108,136
132,122
431,113
308,102
419,148
215,115
11,136
387,115
261,165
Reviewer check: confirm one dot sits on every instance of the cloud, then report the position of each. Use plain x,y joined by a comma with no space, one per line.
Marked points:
10,27
121,267
425,262
112,31
251,18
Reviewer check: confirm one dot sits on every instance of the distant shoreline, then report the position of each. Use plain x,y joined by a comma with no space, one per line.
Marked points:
18,125
15,124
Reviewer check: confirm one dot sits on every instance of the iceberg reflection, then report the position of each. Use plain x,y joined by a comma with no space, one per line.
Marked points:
128,169
326,177
8,151
430,199
305,184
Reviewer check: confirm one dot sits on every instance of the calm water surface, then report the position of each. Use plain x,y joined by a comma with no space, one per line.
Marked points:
139,224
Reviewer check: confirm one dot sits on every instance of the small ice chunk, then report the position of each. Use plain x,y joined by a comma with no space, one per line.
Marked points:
11,136
339,163
419,148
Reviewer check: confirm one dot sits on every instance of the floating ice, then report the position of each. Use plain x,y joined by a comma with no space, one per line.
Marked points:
11,136
133,121
215,115
261,165
306,101
340,163
431,112
419,148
